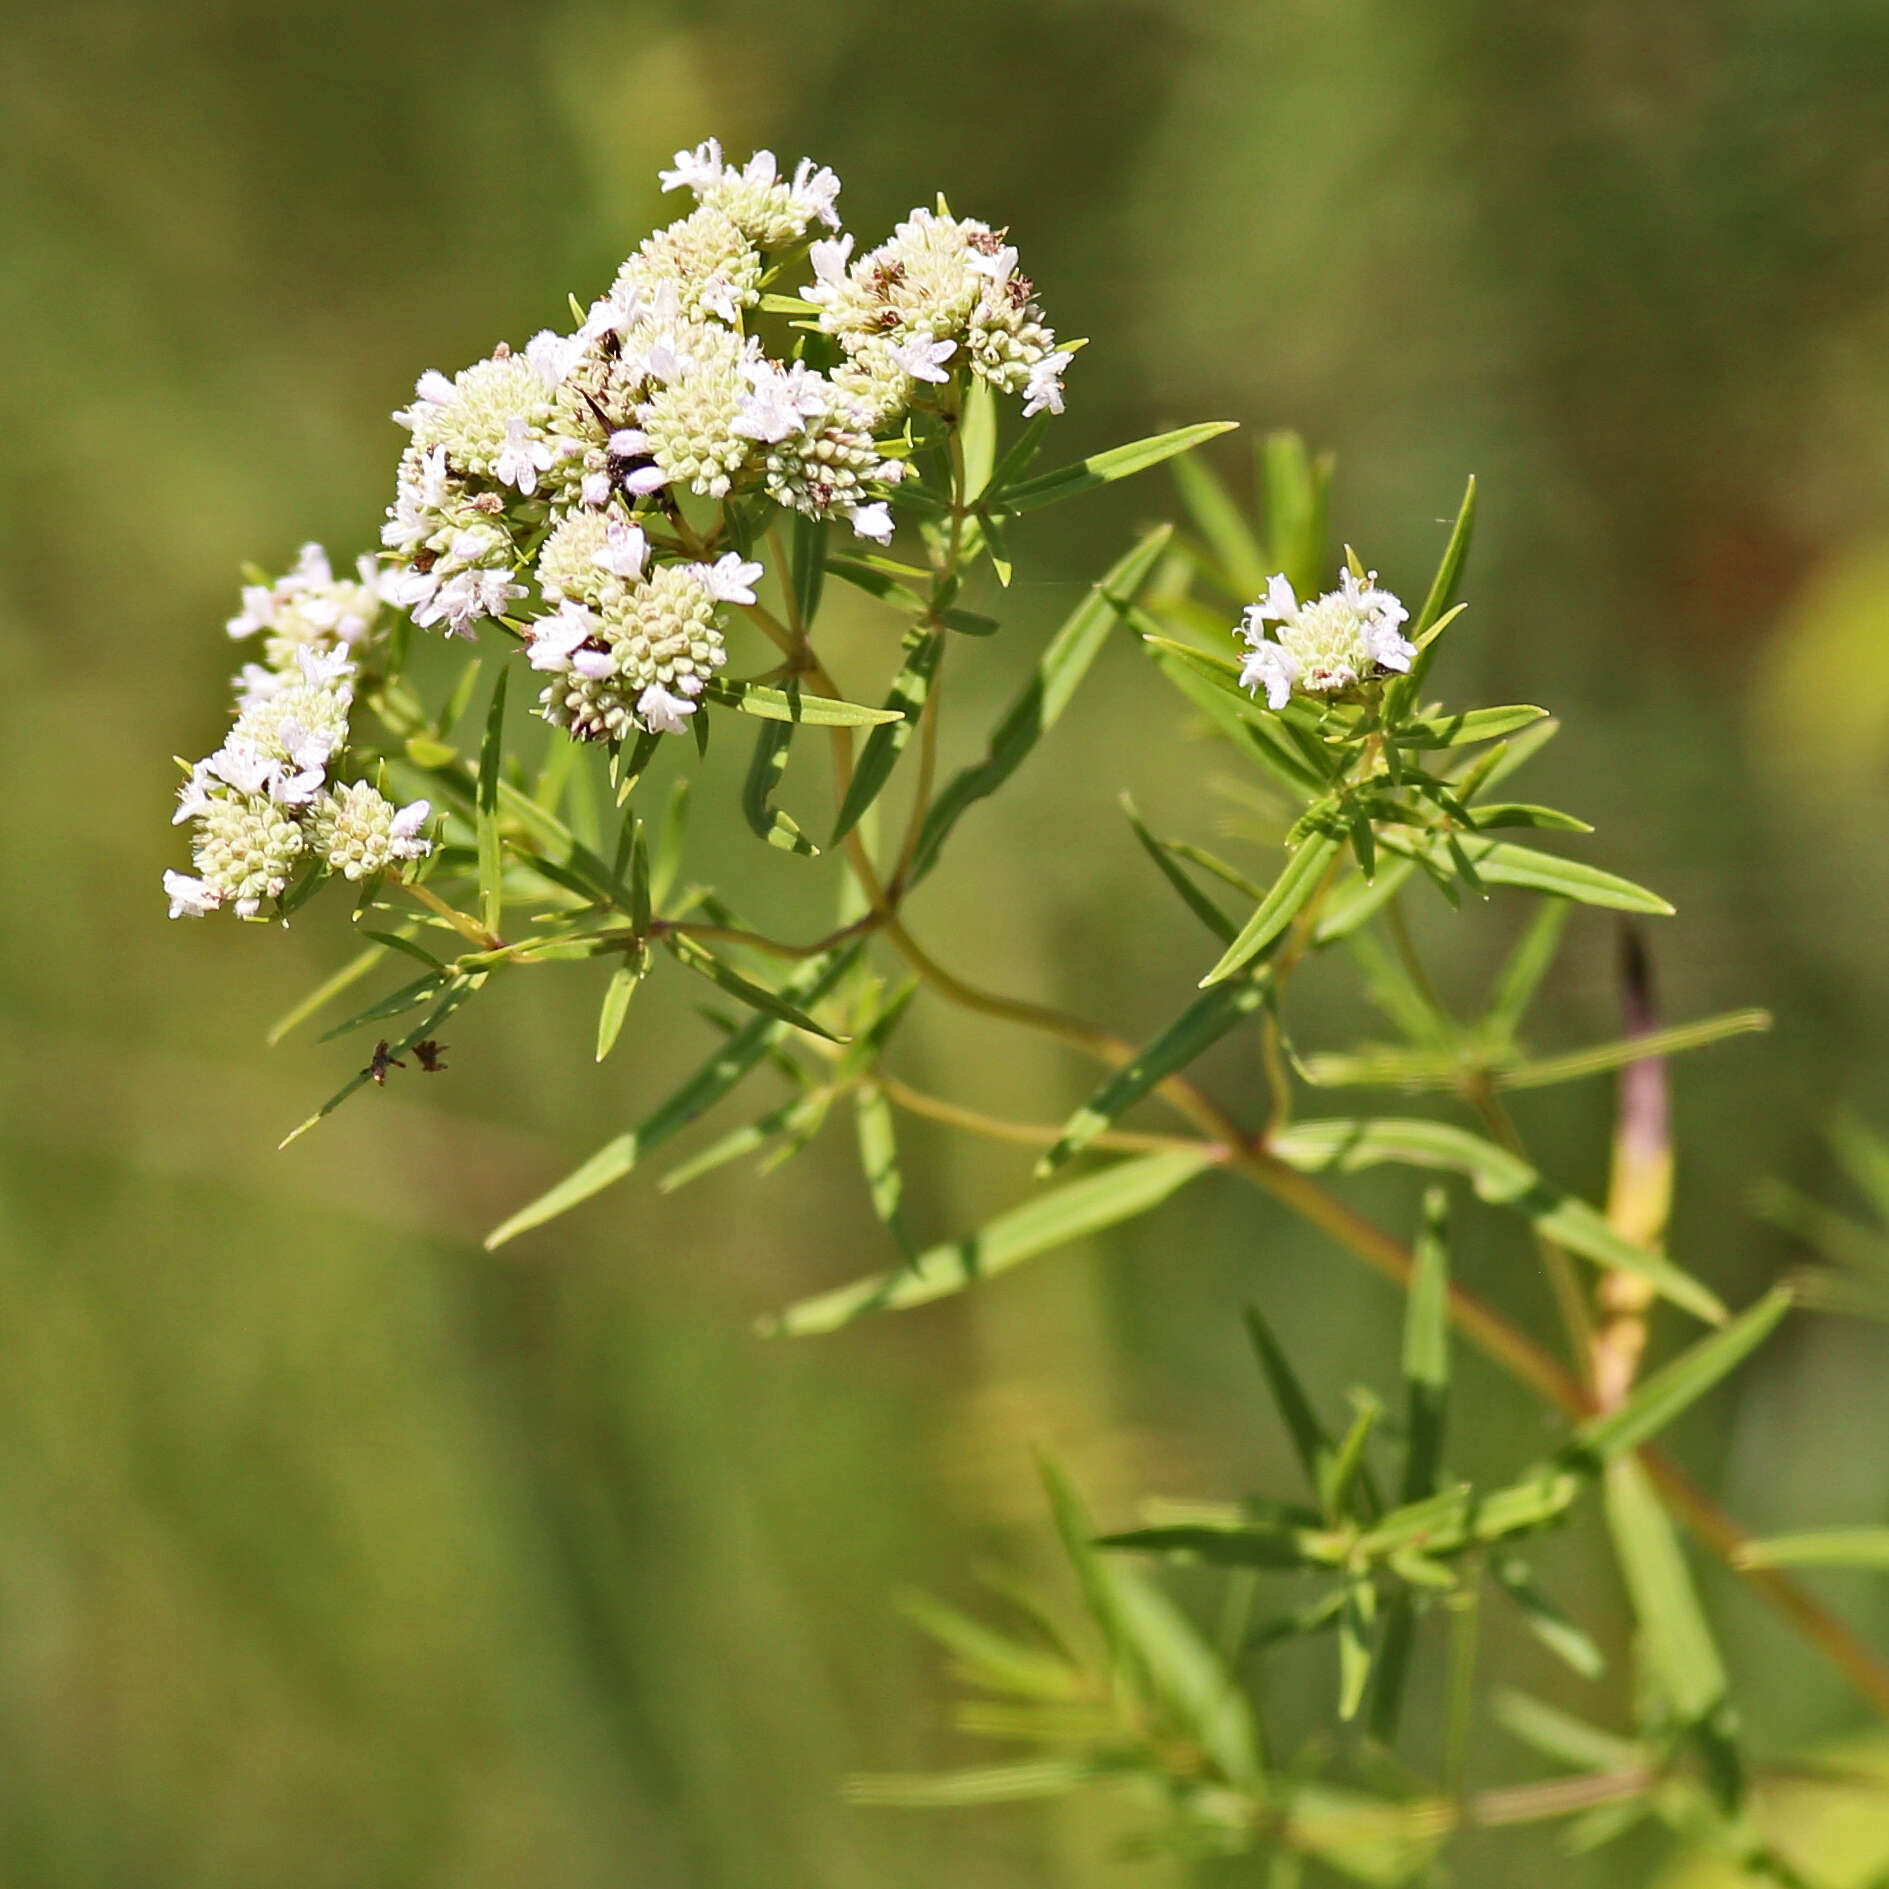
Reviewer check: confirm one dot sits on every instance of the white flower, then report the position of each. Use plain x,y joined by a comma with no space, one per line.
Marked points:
190,898
1043,391
1272,668
307,748
465,597
873,521
663,713
409,841
1325,644
193,796
257,685
694,170
816,192
324,669
554,355
556,637
729,578
828,259
595,491
241,764
780,401
921,357
432,389
522,458
994,264
258,611
298,790
624,550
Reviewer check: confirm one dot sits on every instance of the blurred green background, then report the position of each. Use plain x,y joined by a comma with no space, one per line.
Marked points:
334,1550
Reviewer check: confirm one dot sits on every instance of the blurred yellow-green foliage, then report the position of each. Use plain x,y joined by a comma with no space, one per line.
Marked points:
336,1551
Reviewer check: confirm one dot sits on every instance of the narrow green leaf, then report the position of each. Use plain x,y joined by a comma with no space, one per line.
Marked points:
1310,1442
879,1158
1058,672
1865,1158
625,775
1527,965
814,711
986,1784
395,1003
991,1659
977,438
1392,1667
798,1115
459,700
1675,1640
616,1002
1298,490
871,576
1821,1548
325,992
1195,900
640,911
1202,1024
906,702
1291,892
746,1047
1403,692
667,862
1502,862
1657,1401
1492,815
809,566
1461,1518
698,958
1262,1543
1545,1620
450,1000
1354,902
1472,725
1427,1349
1051,488
1561,1736
1605,1056
1499,1177
1345,1467
1228,536
1233,714
1046,1220
1355,1621
491,761
765,820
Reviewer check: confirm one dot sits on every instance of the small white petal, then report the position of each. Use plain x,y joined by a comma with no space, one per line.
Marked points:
873,521
662,713
190,898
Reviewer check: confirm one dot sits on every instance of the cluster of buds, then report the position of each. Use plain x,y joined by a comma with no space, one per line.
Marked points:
545,488
266,806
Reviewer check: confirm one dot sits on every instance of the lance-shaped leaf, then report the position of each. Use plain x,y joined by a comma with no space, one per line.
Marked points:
491,763
395,1003
923,646
793,705
1202,1024
1459,731
1026,1782
764,773
1545,1620
1298,493
1526,966
1402,693
1058,672
701,960
809,566
798,1118
1675,1640
616,1000
879,1159
1267,741
1196,901
1498,1177
994,1660
1657,1401
1044,1221
1427,1349
325,992
1605,1056
667,862
1502,862
1463,1517
1356,1619
1119,462
1819,1548
1228,537
977,438
1291,892
1561,1736
745,1048
1310,1442
454,995
1490,815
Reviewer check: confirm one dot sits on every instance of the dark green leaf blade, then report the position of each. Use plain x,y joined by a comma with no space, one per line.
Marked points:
910,687
1119,462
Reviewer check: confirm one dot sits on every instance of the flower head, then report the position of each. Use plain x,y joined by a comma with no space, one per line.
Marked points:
1325,644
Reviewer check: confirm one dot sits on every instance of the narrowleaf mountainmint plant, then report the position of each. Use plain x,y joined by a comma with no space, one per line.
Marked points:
640,520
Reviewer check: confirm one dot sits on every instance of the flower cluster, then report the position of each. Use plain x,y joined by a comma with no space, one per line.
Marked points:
265,805
546,487
1326,644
